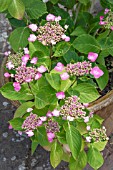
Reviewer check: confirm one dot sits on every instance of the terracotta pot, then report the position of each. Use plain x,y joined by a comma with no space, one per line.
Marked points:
103,106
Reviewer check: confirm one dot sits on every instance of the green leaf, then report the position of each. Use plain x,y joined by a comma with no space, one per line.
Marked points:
16,9
65,84
74,140
88,92
35,8
38,46
81,127
103,80
99,145
54,1
95,158
41,136
33,147
17,123
61,49
4,4
53,80
23,108
78,31
79,163
24,94
85,2
56,154
19,38
67,3
86,43
70,56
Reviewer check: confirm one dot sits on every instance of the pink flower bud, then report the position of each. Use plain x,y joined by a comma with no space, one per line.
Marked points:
60,95
50,17
64,76
32,38
112,28
9,65
10,127
30,133
43,118
57,19
26,51
106,11
59,67
7,74
38,76
96,72
88,139
86,119
88,128
16,86
86,104
29,110
102,23
56,113
92,56
64,36
42,69
50,136
33,27
101,18
39,123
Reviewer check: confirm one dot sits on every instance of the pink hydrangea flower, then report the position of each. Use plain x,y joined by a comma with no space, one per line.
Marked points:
57,19
9,65
30,133
38,76
88,127
64,76
19,132
50,17
53,42
28,79
33,27
42,69
70,118
92,56
102,23
96,72
49,114
106,11
32,38
43,118
86,104
60,95
39,123
16,86
112,28
64,36
59,67
101,18
50,136
56,113
34,60
26,51
7,53
25,58
7,75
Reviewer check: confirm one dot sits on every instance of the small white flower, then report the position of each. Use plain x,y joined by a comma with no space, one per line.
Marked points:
88,127
86,119
45,1
66,26
29,109
70,118
88,139
53,42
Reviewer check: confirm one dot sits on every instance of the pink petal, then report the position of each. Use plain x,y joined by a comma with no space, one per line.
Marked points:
34,60
96,72
30,133
56,113
50,17
38,76
7,75
60,95
33,27
64,76
42,69
92,56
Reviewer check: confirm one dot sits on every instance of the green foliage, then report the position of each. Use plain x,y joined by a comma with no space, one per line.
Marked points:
74,140
56,154
17,123
4,5
20,36
85,2
95,158
79,163
33,147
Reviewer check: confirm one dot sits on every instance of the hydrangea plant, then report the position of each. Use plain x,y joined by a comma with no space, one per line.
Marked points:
56,70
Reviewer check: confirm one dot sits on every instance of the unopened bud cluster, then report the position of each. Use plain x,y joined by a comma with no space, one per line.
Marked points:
15,59
79,68
98,135
31,122
73,108
25,74
52,127
50,33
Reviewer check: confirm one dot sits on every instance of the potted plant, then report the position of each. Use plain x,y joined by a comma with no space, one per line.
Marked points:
57,69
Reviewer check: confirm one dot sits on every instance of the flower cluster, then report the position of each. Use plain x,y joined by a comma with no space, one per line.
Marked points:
97,135
14,60
79,68
72,109
107,20
52,127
